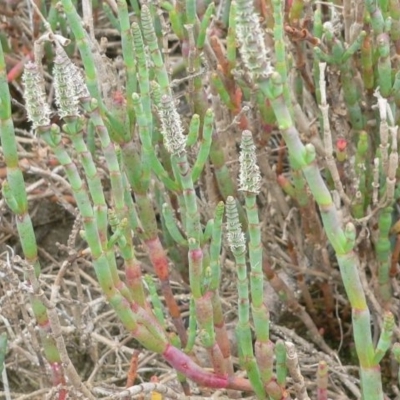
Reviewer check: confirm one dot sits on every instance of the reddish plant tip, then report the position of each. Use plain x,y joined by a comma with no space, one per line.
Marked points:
118,98
196,254
282,180
341,144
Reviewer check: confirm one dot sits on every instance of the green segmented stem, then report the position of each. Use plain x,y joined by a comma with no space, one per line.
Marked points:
74,129
223,93
318,31
279,45
351,92
136,7
117,228
384,64
361,169
227,5
52,16
52,137
192,327
256,278
387,165
143,72
162,174
264,352
383,252
128,57
221,333
190,8
90,138
192,227
367,63
396,92
132,265
250,180
117,123
15,195
190,218
266,112
132,315
82,42
377,20
193,133
111,17
225,185
215,247
150,39
143,124
231,46
3,351
105,266
203,306
131,210
238,247
385,339
195,92
175,19
138,173
177,254
204,24
383,5
394,11
110,154
281,369
342,241
148,233
205,145
171,225
155,301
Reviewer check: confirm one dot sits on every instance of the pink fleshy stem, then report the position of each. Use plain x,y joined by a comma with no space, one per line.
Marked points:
181,362
159,261
58,379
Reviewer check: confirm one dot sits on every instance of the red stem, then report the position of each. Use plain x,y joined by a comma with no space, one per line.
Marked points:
159,261
181,362
58,379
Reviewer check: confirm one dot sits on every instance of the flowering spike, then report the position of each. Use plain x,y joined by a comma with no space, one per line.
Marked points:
249,177
172,130
251,41
35,96
66,99
69,85
236,237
